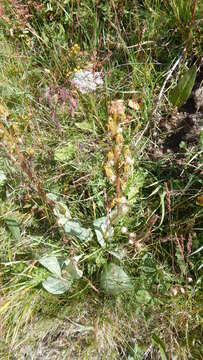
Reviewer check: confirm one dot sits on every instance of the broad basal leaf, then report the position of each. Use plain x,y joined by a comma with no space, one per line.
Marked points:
72,269
62,213
114,280
181,92
57,286
103,230
74,228
51,263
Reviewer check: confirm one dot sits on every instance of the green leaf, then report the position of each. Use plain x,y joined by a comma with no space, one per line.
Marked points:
160,344
65,153
114,280
13,227
118,254
181,92
51,263
52,197
84,125
62,213
3,178
74,228
143,297
72,269
103,230
57,286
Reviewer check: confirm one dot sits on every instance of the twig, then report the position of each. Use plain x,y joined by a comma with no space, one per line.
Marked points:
145,236
143,43
168,198
169,74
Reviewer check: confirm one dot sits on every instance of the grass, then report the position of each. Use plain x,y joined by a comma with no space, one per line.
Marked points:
55,140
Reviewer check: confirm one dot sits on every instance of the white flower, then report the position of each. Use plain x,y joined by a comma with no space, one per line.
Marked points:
124,230
132,235
124,209
174,291
86,81
112,178
129,160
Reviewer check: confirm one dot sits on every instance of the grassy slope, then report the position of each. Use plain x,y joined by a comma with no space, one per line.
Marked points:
134,44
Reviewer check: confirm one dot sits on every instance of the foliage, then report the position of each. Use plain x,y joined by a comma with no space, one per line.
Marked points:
181,92
101,223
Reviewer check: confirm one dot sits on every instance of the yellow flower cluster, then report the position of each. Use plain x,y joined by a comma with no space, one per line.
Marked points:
75,49
118,161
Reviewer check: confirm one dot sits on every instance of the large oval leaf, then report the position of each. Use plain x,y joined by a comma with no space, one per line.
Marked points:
74,228
103,230
114,280
181,92
51,263
72,269
57,286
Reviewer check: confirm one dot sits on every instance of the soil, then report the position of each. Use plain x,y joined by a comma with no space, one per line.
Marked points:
182,129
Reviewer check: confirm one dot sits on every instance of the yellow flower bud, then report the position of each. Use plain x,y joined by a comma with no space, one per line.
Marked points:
2,109
116,151
110,156
30,152
119,139
126,169
2,133
112,126
109,173
126,151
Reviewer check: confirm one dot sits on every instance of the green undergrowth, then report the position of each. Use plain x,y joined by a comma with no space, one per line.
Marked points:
78,281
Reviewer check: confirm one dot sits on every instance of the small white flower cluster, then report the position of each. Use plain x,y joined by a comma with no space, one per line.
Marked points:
86,81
